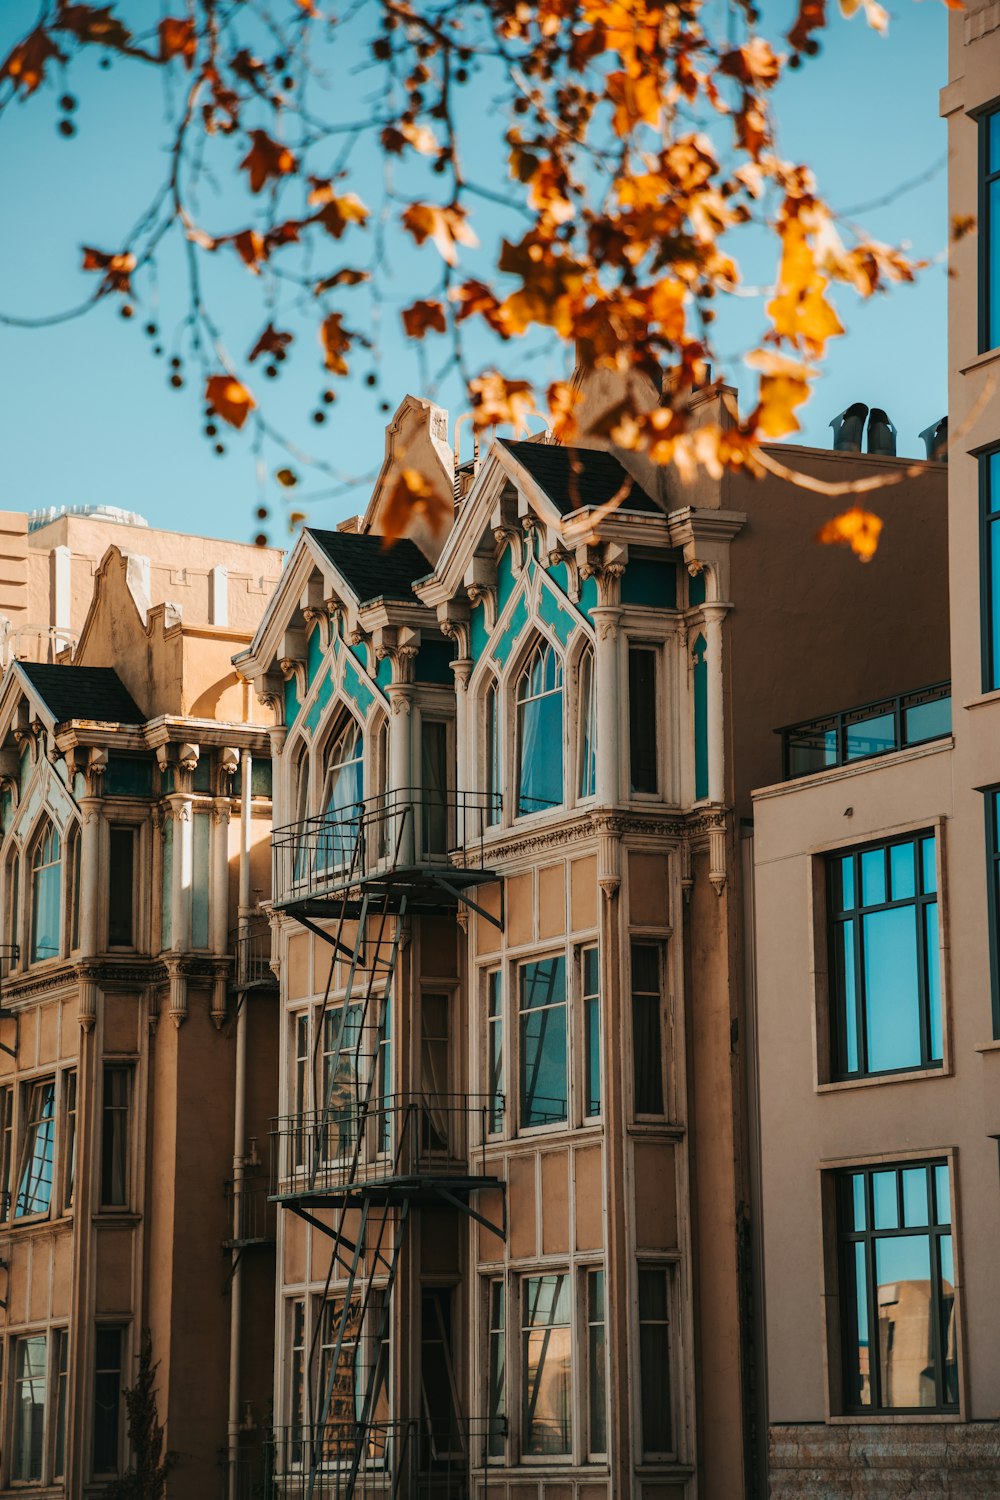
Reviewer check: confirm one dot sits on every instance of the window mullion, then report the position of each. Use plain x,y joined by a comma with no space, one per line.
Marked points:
860,991
874,1367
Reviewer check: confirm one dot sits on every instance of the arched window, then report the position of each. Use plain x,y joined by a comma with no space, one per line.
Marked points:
343,789
540,731
491,747
9,950
587,727
73,864
300,800
46,894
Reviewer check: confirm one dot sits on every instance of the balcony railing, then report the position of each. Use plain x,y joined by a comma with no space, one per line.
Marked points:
252,947
249,1212
416,1458
400,1137
857,734
407,829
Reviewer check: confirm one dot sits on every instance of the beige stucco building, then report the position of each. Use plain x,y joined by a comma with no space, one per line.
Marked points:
137,1008
877,985
515,1242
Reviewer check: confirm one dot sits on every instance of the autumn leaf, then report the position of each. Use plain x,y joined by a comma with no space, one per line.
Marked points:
395,138
637,101
117,268
563,400
444,227
178,39
811,17
229,399
784,385
875,15
25,66
800,311
251,247
266,159
271,341
476,299
93,23
961,225
335,342
855,528
414,498
496,399
423,317
336,211
346,276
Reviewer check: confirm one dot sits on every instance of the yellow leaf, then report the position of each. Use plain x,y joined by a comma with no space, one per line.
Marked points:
335,343
229,399
497,400
855,528
413,498
444,227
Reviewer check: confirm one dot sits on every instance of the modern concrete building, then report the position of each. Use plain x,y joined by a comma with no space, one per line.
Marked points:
515,1244
137,1014
877,981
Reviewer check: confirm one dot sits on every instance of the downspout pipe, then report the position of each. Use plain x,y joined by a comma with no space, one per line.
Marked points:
239,1128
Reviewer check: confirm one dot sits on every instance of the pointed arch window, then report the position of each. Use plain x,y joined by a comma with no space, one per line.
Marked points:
300,792
343,786
46,894
540,731
492,755
587,708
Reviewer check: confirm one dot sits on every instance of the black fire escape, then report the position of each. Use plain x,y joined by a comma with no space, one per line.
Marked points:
363,1164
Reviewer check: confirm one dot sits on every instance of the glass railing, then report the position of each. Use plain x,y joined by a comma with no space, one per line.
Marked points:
878,728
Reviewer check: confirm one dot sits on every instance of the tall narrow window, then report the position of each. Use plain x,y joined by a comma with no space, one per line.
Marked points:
993,896
597,1366
989,228
642,713
494,784
590,970
547,1366
989,565
897,1281
587,751
46,889
34,1174
340,1078
30,1401
297,1378
68,1140
439,1386
75,846
434,784
121,886
342,794
647,1044
435,1047
14,953
543,1042
494,1022
699,690
886,1010
166,883
654,1361
61,1394
300,847
107,1399
496,1362
6,1148
114,1138
540,731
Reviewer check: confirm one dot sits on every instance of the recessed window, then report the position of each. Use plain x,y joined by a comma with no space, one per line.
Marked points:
543,1042
547,1366
647,1042
114,1138
590,979
587,751
642,674
342,794
654,1361
540,731
6,1147
494,1026
107,1398
496,1365
989,566
34,1175
121,885
597,1366
30,1406
993,896
494,785
989,222
46,893
885,972
68,1140
897,1282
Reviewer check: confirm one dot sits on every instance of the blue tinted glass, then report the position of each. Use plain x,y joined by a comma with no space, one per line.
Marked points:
993,140
844,882
871,737
592,1058
942,1196
891,989
993,543
933,983
929,855
873,877
858,1322
903,1283
884,1194
543,1066
993,215
590,971
902,878
915,1210
927,721
850,1001
858,1195
947,1264
993,479
541,733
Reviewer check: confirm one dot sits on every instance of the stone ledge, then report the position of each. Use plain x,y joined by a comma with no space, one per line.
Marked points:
858,1461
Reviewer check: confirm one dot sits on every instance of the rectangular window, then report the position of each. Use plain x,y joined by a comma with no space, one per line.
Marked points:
436,1126
494,1026
167,882
107,1399
60,1399
30,1401
201,859
597,1366
897,1284
497,1361
76,853
543,1042
297,1380
885,971
34,1172
114,1138
547,1366
589,968
989,223
434,785
654,1361
647,1045
68,1141
359,1379
6,1148
442,1437
993,896
121,886
989,567
642,719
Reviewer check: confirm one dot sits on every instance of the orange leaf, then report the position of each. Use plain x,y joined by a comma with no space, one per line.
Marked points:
178,39
271,341
346,276
497,400
413,498
229,399
266,159
855,528
335,342
445,227
251,247
93,23
117,268
423,317
25,67
336,211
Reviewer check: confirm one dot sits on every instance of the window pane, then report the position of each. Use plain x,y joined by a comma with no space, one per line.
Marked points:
588,727
873,877
993,212
949,1352
860,1214
34,1178
493,787
935,1039
993,142
61,1394
848,996
597,1399
540,722
871,736
647,1044
642,719
886,1203
927,721
942,1196
107,1399
993,544
46,897
844,882
591,1034
902,878
892,993
495,1025
915,1214
30,1369
654,1362
543,1042
497,1372
903,1296
434,784
121,886
114,1138
927,849
857,1353
548,1370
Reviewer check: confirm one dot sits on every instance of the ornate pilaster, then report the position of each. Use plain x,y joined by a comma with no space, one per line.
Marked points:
177,1007
87,1007
486,595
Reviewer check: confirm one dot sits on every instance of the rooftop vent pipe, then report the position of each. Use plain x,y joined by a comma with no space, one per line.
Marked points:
881,433
847,428
936,440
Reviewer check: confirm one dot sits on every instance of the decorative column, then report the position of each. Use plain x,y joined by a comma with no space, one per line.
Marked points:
90,881
607,673
713,616
182,880
219,903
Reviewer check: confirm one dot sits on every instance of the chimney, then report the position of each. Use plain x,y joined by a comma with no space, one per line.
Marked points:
936,440
881,433
848,427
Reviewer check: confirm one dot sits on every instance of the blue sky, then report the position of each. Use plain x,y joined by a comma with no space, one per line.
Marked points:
86,414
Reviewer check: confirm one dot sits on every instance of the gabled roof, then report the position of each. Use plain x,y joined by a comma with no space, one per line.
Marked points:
69,692
578,478
372,569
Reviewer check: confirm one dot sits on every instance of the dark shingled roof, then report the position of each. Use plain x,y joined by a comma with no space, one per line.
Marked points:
83,693
373,570
578,478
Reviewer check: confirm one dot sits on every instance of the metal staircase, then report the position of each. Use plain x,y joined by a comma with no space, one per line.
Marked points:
359,1165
